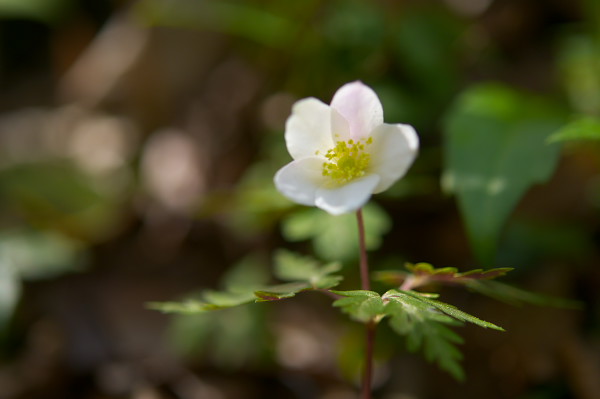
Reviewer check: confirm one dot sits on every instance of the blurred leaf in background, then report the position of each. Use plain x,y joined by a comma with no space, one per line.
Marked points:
336,237
41,10
355,31
579,62
241,19
584,128
426,47
33,255
57,195
496,148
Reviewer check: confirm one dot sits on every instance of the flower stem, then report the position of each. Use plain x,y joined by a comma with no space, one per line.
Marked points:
364,263
366,285
368,371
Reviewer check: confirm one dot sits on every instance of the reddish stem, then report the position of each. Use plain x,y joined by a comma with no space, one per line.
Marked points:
364,263
368,371
366,285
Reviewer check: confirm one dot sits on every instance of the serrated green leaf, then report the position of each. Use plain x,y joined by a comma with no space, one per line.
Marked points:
445,308
356,293
240,282
360,305
245,284
227,299
266,296
293,267
518,296
426,268
495,151
249,273
452,275
211,300
426,327
186,307
424,273
280,291
290,266
480,274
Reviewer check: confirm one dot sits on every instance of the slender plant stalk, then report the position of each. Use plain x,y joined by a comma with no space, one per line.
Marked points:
366,285
364,263
368,371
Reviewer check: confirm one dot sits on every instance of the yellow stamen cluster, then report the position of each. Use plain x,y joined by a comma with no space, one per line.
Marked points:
347,160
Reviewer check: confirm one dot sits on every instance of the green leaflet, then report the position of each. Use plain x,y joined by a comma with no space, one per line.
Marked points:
424,273
225,300
293,267
302,272
246,283
427,329
428,303
360,305
281,291
365,305
422,320
451,274
476,280
496,149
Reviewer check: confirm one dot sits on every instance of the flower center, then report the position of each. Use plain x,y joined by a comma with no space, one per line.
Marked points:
347,160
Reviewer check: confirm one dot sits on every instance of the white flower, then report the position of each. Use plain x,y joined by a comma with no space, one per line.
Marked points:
343,152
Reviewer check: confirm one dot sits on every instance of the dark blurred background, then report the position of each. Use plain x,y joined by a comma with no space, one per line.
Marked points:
138,140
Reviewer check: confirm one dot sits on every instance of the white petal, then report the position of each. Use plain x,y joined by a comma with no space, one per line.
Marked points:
340,128
360,106
299,180
347,198
393,150
308,129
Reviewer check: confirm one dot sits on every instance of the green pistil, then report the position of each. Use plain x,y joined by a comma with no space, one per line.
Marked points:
347,160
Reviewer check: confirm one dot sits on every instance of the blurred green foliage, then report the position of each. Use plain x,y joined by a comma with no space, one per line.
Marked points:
585,128
496,148
56,194
32,255
335,237
49,11
232,17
